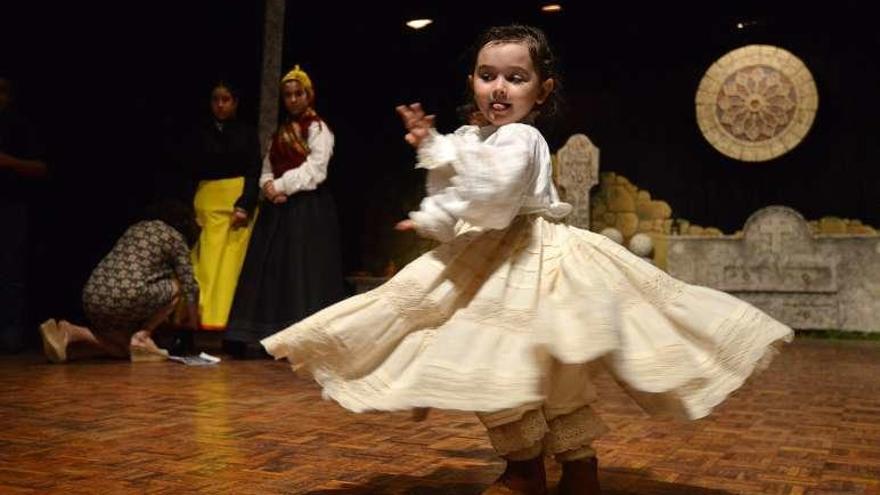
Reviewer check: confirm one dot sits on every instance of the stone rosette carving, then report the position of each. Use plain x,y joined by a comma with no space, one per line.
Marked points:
756,103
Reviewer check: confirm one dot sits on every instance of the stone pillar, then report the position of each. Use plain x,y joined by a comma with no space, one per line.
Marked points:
577,167
273,47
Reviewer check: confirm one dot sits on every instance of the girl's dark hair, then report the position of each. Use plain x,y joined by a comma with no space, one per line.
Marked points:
543,59
177,215
232,88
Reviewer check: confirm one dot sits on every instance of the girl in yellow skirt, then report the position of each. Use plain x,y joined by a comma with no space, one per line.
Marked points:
225,156
511,314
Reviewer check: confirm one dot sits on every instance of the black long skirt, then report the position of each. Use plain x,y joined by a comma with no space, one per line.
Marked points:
292,268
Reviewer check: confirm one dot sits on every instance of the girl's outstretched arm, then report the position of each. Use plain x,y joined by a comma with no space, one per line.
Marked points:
485,180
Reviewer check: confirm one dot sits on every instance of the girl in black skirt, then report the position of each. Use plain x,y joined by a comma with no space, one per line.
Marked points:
292,268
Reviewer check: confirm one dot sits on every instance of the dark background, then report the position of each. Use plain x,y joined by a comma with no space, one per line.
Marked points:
110,87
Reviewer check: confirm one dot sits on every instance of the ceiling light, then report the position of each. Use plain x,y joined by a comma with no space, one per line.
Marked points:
419,23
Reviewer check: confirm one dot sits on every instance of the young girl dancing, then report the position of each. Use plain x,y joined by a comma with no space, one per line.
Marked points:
509,316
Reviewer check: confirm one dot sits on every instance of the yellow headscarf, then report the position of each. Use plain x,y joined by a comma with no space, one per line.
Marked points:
301,77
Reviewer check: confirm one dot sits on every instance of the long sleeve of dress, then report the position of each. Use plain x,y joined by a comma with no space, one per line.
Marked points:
266,174
313,171
482,182
251,192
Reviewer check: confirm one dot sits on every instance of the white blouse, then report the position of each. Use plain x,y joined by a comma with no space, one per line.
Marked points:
312,172
485,176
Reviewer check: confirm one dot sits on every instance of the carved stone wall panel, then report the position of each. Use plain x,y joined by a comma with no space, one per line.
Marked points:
814,311
807,281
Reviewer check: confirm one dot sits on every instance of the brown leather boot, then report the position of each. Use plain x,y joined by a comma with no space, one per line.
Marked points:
521,478
580,477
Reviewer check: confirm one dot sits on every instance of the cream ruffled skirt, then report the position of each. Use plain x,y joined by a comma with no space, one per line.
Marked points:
476,324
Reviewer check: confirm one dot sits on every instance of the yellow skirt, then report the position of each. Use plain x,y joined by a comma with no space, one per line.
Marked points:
220,252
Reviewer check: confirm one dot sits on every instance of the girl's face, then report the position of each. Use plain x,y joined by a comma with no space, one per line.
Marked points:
296,99
223,103
505,84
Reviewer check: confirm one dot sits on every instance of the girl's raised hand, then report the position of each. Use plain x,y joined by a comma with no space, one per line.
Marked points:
416,122
405,225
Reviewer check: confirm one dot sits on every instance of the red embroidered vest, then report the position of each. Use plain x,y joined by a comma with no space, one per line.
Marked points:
290,144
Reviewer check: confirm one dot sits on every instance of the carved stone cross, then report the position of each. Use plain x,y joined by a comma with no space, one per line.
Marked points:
775,232
577,166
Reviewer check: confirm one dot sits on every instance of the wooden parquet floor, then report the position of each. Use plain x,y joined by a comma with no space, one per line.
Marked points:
809,425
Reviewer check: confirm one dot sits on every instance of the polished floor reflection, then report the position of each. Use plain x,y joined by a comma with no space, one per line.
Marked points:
809,425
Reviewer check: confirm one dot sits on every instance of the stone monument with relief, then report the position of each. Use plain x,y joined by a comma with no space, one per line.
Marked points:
829,282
